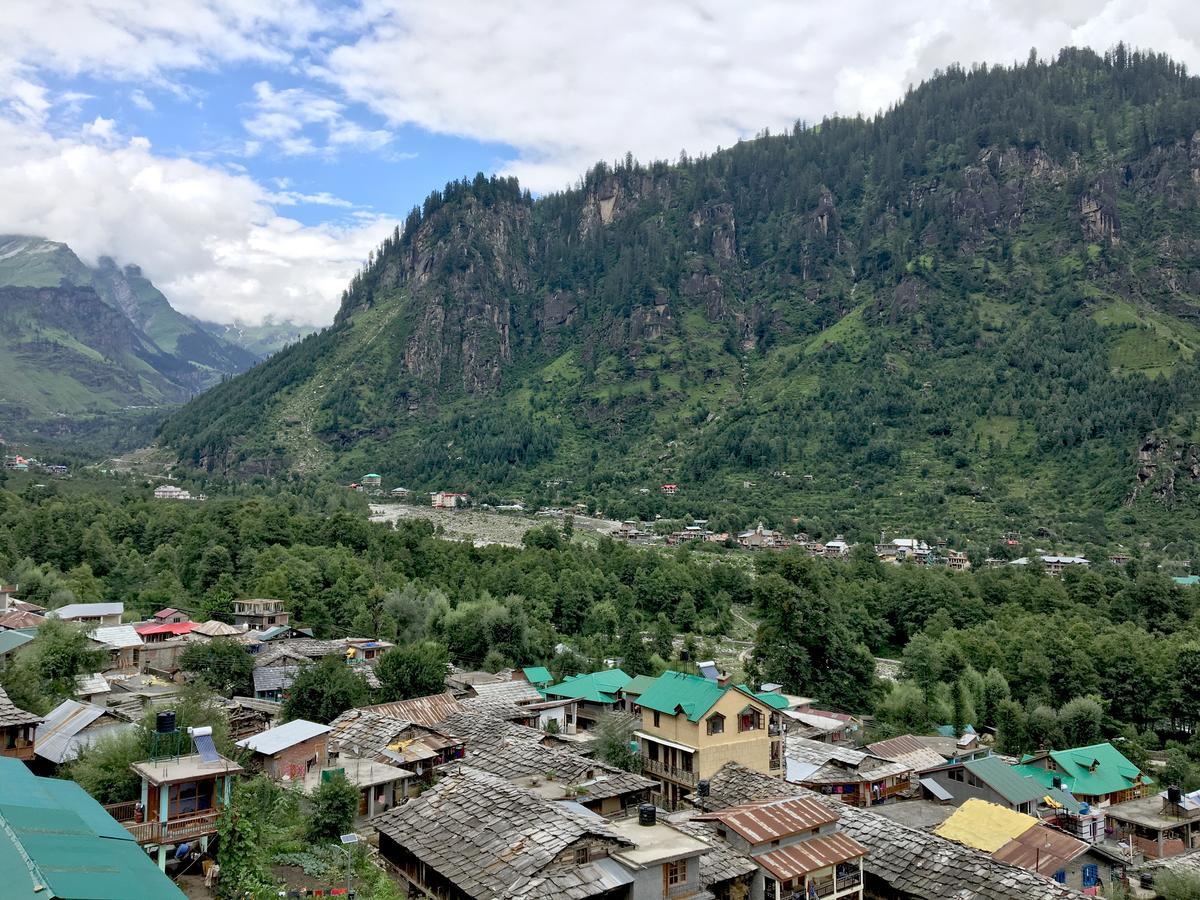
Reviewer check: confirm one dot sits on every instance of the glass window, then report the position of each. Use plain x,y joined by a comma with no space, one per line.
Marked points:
677,872
716,724
656,718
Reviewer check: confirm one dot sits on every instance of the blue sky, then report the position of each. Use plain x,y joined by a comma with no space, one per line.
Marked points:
248,154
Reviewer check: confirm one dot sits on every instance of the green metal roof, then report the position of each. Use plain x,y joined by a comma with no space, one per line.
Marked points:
596,687
1088,771
537,675
637,685
694,695
11,640
1013,786
57,843
1187,580
773,700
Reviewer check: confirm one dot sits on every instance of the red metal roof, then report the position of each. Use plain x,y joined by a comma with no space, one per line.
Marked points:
166,613
1041,847
767,820
20,620
165,628
797,860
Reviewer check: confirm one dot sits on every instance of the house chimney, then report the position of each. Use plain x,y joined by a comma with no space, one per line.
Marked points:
723,679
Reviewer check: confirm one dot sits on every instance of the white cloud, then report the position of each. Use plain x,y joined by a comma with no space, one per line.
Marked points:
141,101
282,117
567,84
212,239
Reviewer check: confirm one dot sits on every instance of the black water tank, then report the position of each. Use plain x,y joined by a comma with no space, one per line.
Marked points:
647,814
164,722
1174,795
1056,782
702,787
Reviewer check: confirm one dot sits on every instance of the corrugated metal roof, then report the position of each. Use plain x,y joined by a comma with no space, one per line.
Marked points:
1013,786
760,821
289,734
56,841
796,860
122,637
95,683
595,687
428,710
54,738
936,789
87,610
11,640
1041,849
908,750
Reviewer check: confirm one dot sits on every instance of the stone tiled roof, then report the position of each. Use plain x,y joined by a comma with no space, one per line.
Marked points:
11,714
919,864
496,707
907,749
274,678
492,839
482,731
519,758
513,691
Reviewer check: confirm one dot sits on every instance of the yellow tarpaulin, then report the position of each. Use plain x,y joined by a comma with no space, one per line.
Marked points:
984,826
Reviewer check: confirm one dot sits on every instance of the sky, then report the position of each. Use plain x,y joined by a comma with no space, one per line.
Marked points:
248,154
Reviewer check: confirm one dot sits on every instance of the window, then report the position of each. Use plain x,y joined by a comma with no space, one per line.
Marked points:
716,724
581,856
677,872
656,718
749,719
188,798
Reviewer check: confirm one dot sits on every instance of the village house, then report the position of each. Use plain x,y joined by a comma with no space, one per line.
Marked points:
157,632
400,493
1054,565
838,548
538,676
171,492
957,560
259,614
1158,825
669,490
532,847
989,779
900,550
273,682
170,615
123,644
909,750
851,776
422,749
372,483
11,641
57,842
90,613
290,751
762,538
596,693
691,726
448,500
902,862
17,729
1098,774
207,631
181,796
797,846
1021,840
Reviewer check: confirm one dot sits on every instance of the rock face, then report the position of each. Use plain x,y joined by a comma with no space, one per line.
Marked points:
1162,465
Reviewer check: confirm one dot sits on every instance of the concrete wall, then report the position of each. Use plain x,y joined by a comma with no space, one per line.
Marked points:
750,748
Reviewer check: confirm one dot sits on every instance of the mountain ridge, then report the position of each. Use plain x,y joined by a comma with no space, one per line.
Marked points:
885,321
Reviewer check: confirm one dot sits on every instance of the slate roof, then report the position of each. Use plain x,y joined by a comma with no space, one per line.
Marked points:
483,731
519,758
497,708
363,732
911,861
822,763
1006,781
595,687
424,710
492,839
11,714
56,841
213,628
95,683
274,678
908,750
517,692
1112,772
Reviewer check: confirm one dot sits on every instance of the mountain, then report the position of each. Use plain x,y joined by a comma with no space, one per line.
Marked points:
78,342
260,340
976,313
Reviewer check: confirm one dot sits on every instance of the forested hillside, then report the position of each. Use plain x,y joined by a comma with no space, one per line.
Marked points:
978,312
1008,647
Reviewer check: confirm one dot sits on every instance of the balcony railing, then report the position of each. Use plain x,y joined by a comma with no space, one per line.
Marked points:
25,754
122,812
171,832
656,767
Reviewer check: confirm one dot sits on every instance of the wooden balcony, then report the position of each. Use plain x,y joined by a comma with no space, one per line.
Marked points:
185,828
25,754
671,773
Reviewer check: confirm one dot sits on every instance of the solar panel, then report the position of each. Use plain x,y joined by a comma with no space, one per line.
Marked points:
205,747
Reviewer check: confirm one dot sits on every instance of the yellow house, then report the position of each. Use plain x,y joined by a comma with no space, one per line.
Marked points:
692,726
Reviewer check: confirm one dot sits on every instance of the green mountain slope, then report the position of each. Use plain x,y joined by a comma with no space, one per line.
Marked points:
979,312
260,340
89,351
